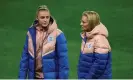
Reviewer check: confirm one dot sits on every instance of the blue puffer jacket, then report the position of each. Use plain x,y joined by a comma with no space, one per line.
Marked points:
55,64
95,56
95,66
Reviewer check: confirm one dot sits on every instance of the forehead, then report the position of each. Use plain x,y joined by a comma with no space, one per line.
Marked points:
43,13
84,18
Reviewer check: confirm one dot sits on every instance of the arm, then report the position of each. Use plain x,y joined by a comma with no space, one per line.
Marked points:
24,61
101,51
61,46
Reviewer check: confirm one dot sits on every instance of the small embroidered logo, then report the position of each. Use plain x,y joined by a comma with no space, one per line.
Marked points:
89,46
50,38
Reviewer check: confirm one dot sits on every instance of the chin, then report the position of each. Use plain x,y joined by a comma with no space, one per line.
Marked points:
83,29
44,25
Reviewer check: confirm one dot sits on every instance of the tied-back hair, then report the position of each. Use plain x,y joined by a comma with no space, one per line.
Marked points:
42,8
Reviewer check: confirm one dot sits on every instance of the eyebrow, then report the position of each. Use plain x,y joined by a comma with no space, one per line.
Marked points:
44,16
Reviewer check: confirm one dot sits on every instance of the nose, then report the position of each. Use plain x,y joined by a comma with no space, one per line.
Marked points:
81,23
45,20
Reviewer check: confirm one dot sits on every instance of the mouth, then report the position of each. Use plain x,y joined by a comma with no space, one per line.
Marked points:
44,23
82,27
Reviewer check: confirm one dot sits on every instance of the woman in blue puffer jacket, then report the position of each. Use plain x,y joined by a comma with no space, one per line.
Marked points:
95,56
45,50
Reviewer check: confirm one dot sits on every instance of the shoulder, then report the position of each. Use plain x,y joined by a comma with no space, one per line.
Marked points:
101,44
58,31
60,35
99,37
31,29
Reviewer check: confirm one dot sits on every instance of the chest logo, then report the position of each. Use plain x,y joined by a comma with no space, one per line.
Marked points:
89,45
50,38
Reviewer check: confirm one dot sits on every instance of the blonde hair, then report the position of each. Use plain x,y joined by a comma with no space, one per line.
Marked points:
93,18
42,8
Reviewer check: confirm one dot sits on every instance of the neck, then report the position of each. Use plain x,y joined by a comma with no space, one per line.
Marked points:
87,31
41,28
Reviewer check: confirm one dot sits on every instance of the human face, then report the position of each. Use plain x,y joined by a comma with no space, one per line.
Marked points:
84,23
43,18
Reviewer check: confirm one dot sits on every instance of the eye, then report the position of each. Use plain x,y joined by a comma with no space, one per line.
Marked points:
47,17
82,21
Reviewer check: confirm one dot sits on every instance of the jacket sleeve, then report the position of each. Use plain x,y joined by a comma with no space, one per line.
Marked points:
101,51
62,51
24,61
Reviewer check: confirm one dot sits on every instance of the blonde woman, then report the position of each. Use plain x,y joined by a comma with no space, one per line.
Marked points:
45,50
95,55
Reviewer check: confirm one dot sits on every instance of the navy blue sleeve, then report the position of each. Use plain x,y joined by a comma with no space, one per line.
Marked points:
24,61
99,66
62,51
